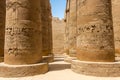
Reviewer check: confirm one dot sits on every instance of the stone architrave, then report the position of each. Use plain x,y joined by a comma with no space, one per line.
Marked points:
22,32
95,40
72,27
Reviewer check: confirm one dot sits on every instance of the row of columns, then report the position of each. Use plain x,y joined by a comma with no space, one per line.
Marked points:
89,30
27,31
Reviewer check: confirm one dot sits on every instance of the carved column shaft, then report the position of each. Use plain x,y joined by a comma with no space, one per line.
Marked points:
22,32
95,31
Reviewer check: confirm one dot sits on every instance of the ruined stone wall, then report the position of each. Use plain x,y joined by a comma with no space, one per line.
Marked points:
58,30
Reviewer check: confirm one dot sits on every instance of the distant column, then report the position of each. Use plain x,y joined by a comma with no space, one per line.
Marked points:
50,29
22,32
67,27
95,40
72,27
46,19
116,24
2,28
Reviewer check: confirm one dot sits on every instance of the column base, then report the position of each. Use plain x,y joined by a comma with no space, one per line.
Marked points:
100,69
49,58
69,59
22,70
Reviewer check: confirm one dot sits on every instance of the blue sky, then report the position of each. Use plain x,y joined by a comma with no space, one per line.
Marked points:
58,8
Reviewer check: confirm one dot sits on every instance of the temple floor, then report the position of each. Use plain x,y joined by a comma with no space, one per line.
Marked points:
60,70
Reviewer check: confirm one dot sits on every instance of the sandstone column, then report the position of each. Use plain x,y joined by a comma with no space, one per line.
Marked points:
67,27
72,27
116,24
2,28
95,31
46,27
50,29
22,32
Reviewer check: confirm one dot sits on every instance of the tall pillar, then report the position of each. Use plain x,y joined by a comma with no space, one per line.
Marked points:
45,27
116,24
50,40
66,46
2,28
22,32
46,21
72,27
95,31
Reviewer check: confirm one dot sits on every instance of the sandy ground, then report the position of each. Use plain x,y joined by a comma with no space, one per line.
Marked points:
60,70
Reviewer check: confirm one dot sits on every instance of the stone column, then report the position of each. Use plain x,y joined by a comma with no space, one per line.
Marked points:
46,27
116,24
22,32
72,27
95,31
67,27
44,19
2,28
50,29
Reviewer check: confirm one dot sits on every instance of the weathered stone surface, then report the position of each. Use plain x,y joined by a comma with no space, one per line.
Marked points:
22,32
58,29
101,69
22,70
95,31
46,22
2,28
116,23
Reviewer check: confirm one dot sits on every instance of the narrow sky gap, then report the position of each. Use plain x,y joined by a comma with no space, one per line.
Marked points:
58,8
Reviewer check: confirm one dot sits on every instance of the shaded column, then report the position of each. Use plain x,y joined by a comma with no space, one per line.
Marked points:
2,28
116,24
95,31
22,32
46,27
66,46
50,29
72,27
